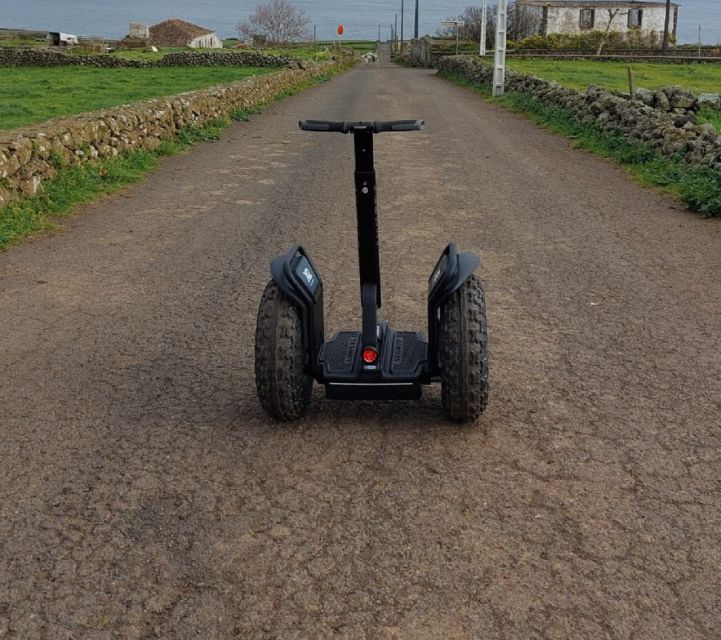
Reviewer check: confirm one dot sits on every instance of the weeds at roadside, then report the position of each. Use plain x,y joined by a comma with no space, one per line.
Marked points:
699,188
712,116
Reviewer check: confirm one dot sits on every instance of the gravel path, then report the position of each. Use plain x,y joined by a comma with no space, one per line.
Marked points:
143,493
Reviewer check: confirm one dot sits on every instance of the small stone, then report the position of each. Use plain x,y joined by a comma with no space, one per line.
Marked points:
279,532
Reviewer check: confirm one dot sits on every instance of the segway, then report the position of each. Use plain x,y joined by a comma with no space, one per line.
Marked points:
376,363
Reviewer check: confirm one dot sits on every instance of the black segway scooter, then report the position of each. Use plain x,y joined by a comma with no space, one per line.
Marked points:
376,363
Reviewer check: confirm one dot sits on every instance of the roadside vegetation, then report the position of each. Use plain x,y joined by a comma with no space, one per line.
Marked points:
35,94
579,74
699,188
712,116
78,184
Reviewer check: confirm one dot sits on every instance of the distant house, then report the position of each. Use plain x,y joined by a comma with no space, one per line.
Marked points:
178,33
138,30
59,39
577,16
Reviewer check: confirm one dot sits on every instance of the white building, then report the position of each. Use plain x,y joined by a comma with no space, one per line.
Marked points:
577,16
60,39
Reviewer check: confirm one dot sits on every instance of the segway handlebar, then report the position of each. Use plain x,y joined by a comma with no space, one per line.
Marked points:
352,127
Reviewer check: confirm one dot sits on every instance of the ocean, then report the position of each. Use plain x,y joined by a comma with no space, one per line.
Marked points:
110,18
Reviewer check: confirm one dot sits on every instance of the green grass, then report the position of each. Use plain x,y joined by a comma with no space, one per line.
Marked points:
78,184
22,42
699,188
712,116
580,74
30,95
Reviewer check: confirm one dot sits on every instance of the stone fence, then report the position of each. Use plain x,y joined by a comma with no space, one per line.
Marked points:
42,57
664,120
31,155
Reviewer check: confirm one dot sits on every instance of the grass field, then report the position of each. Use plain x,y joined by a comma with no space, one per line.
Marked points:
580,74
29,95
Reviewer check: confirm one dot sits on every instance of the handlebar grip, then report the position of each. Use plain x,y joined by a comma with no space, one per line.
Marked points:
323,125
399,125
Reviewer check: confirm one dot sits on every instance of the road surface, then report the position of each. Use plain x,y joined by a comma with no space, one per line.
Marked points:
143,493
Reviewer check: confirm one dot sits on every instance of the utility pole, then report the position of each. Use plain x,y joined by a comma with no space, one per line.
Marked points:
379,32
667,22
403,2
484,22
415,26
499,66
395,36
314,36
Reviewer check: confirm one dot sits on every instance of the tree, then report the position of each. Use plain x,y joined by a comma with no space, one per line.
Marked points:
278,21
521,23
612,13
666,24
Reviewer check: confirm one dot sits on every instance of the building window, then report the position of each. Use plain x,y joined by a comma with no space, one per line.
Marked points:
587,19
635,16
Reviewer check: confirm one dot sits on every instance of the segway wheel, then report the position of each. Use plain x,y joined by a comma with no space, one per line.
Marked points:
284,388
463,353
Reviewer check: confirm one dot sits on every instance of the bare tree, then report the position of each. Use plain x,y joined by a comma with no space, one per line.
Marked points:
612,13
278,21
521,23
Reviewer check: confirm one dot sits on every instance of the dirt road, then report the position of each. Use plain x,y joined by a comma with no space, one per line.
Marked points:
143,493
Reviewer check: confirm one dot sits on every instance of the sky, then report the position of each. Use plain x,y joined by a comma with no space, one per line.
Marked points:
110,18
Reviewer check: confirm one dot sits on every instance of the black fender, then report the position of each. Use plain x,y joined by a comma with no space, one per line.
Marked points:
451,271
296,276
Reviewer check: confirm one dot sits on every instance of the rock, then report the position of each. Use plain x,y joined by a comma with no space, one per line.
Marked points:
644,95
680,98
661,101
710,100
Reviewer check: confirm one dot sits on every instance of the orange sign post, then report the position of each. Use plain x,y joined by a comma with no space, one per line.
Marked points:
341,31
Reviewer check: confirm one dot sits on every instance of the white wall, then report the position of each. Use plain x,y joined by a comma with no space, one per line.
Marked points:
209,41
567,20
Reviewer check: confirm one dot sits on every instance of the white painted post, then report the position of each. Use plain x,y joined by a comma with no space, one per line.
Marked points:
499,66
484,22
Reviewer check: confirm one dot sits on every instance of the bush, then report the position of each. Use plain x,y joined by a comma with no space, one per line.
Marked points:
590,40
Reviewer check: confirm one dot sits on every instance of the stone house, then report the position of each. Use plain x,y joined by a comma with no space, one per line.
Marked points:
577,16
179,33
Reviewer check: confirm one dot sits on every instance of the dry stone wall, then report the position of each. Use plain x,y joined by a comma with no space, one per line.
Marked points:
42,57
30,156
664,120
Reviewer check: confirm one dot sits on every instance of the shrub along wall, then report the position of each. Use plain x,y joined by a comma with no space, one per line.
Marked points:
664,120
30,156
41,57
